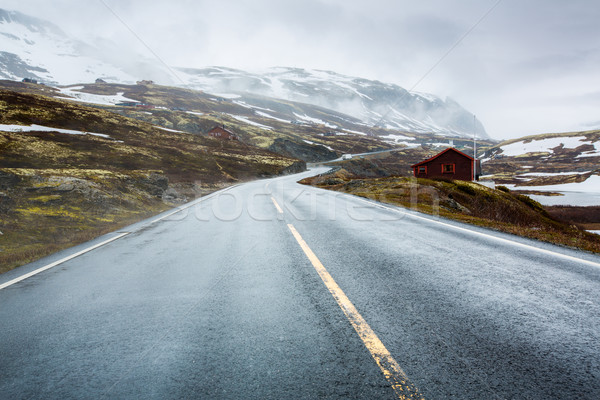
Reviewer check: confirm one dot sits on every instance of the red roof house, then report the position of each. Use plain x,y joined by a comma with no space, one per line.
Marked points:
449,164
221,133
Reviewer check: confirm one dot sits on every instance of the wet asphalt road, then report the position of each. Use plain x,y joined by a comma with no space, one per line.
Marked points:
220,301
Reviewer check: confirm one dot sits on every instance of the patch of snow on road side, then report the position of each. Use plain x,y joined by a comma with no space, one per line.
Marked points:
441,144
395,138
409,144
542,145
105,100
249,122
41,128
194,113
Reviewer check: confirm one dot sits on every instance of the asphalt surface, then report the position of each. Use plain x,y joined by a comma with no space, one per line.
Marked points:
220,301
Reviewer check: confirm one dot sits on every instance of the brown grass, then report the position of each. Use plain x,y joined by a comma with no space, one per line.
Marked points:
62,239
466,202
583,217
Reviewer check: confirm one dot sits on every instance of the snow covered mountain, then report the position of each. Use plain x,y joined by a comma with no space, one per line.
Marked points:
373,102
37,49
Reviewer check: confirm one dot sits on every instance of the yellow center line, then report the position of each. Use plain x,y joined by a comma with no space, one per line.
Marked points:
279,210
392,371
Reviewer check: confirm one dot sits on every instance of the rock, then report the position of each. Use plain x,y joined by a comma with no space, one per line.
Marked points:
303,151
298,166
8,180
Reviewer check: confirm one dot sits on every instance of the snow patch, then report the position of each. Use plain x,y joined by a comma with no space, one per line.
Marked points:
75,95
542,145
318,144
167,129
227,95
356,132
41,128
249,122
315,121
554,173
263,114
586,193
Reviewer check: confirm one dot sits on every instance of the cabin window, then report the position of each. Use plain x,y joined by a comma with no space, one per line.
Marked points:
448,168
422,170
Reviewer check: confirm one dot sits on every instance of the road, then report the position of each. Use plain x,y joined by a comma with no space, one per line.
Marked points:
274,290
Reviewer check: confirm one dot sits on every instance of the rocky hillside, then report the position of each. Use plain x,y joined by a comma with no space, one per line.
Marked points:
269,123
371,103
69,172
543,160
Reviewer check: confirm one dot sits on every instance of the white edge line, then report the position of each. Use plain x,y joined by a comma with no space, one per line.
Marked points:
191,204
55,263
72,256
486,235
279,210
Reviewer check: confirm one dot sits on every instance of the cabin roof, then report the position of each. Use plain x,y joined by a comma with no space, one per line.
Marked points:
439,154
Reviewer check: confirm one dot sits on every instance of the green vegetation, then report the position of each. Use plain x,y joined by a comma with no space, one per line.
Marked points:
468,202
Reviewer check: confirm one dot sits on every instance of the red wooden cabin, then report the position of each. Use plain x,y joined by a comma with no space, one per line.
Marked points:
222,133
449,164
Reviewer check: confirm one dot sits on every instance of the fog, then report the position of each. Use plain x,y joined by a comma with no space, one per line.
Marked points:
522,67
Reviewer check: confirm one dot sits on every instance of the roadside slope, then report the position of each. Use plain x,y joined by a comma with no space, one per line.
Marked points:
70,172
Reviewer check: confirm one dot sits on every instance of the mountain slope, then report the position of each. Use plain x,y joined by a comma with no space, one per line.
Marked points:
548,159
373,103
70,172
37,49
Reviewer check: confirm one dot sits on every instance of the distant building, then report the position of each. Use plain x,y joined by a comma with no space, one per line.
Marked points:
29,80
145,82
449,164
221,133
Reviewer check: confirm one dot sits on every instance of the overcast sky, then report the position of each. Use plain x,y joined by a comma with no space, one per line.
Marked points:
522,66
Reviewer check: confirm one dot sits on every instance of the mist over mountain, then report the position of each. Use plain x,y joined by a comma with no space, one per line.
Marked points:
373,102
37,49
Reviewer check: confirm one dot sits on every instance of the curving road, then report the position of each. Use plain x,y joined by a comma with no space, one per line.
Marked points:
274,290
